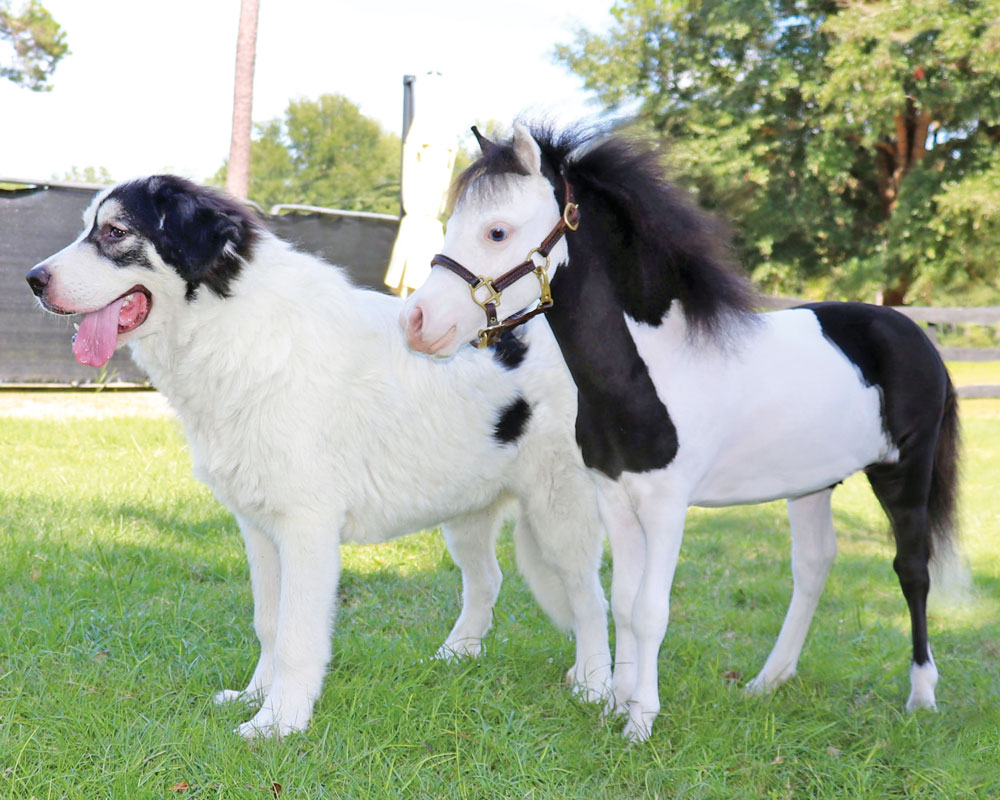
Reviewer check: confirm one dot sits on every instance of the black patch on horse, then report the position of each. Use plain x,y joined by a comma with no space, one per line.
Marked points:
205,235
510,350
621,423
510,425
891,353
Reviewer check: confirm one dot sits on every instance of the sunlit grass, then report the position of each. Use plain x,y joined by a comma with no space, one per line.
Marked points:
964,373
126,605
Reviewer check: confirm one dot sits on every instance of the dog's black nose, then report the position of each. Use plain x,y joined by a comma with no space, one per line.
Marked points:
38,279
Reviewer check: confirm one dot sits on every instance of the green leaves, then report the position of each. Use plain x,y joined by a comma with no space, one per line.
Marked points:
807,124
324,152
33,43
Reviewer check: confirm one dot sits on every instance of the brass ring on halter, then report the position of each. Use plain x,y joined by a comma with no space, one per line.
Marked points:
531,258
571,216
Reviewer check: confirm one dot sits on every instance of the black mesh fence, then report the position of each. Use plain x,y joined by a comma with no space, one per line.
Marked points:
37,221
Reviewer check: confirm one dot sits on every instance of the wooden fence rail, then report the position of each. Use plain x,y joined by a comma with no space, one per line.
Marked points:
933,316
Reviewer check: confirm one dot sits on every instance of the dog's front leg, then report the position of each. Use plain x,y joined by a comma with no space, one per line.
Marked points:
309,556
265,582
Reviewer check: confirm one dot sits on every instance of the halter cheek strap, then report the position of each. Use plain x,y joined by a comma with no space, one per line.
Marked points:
486,292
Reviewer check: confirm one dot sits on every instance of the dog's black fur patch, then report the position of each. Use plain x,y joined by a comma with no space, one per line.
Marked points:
510,350
201,232
512,421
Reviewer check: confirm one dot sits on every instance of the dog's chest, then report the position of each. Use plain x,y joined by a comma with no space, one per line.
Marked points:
228,460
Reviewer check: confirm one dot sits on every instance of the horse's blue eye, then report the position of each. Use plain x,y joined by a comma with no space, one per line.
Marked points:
497,234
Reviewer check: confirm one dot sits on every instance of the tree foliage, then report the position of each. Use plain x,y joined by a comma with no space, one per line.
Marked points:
853,144
88,175
325,152
31,44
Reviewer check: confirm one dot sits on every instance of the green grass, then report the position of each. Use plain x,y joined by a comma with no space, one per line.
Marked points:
971,372
126,605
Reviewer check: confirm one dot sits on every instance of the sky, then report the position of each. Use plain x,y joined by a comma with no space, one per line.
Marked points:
147,86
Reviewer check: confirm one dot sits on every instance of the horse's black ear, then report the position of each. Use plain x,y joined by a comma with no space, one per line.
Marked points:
484,144
199,232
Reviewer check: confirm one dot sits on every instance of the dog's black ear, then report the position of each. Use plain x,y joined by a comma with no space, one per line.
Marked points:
202,233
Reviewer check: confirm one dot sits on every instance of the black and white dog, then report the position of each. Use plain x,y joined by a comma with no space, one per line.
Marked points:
310,420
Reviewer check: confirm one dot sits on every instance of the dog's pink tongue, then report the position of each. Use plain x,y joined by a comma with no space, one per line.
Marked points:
95,341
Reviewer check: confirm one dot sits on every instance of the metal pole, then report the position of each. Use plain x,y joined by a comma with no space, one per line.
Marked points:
408,83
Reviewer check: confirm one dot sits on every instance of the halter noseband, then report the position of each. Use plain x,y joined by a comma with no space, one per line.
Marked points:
486,292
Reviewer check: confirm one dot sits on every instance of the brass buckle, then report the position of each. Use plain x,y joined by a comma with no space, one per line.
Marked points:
571,208
541,272
545,300
494,295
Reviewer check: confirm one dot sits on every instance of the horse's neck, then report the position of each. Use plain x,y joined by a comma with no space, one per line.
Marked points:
622,424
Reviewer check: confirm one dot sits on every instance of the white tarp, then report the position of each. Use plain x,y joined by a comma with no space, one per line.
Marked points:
428,161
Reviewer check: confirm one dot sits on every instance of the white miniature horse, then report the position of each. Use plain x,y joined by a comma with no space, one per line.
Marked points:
313,423
685,396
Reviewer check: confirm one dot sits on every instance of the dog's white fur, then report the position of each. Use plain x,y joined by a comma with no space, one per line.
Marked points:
309,418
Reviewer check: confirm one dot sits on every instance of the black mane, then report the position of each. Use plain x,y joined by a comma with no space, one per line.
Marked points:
655,243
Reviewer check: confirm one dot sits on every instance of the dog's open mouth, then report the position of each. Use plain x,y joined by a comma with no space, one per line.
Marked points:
95,341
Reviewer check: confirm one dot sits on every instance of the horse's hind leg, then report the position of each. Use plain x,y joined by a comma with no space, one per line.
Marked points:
903,490
814,547
471,541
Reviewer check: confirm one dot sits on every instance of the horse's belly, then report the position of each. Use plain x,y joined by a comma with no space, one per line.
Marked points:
753,482
793,448
779,413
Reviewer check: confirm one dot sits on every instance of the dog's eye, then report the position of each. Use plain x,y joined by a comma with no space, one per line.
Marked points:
116,233
497,233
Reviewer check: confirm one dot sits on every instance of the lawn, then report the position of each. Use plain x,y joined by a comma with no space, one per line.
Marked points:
127,605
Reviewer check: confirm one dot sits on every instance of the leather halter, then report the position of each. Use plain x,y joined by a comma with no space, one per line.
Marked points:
486,292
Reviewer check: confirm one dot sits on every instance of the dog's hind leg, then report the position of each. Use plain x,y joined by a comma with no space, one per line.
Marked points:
265,581
559,546
309,556
471,540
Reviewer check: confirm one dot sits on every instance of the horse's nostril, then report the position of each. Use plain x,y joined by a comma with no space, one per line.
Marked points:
38,279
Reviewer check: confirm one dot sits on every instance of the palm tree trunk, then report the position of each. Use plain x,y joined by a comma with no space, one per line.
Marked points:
238,169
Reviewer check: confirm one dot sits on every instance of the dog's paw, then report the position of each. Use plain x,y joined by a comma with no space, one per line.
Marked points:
228,696
246,696
588,688
264,725
461,648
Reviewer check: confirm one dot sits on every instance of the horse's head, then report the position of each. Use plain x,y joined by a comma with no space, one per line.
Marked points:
503,241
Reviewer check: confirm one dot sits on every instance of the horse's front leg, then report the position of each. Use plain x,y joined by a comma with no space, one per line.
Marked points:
628,549
661,513
309,555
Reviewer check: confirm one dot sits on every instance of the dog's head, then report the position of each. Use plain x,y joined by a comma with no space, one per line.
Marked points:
153,239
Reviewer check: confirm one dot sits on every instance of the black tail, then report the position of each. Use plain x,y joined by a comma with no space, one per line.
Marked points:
944,478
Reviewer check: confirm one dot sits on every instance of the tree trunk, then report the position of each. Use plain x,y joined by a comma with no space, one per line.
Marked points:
238,169
893,161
